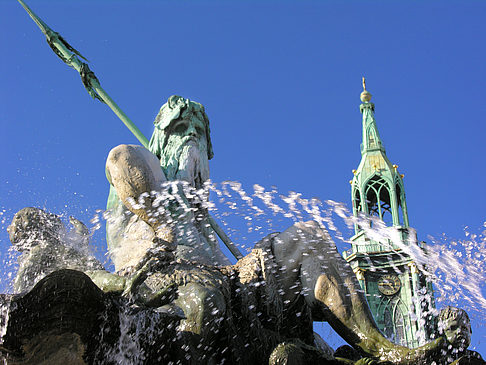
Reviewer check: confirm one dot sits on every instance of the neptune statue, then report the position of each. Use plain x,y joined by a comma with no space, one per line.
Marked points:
174,298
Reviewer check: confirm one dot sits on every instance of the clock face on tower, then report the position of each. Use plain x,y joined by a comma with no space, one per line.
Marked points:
389,284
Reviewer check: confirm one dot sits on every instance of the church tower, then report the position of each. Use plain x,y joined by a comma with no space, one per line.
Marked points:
399,296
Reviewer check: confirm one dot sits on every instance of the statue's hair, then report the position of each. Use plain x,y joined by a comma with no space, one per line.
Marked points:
449,312
176,108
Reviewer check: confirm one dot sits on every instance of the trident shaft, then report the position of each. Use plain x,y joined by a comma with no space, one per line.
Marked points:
72,58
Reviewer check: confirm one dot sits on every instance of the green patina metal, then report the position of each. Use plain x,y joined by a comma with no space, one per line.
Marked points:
71,57
397,292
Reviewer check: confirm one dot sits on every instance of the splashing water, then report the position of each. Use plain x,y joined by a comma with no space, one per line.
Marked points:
455,267
136,327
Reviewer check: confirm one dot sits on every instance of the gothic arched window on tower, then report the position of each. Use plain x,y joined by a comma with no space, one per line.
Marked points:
378,199
388,325
357,201
395,321
400,204
371,138
357,206
400,333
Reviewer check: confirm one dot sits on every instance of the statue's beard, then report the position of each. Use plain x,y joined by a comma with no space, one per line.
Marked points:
187,161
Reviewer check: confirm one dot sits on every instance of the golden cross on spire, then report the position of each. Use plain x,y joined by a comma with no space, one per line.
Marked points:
365,95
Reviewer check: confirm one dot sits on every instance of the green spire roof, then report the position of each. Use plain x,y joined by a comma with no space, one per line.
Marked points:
377,186
377,190
371,137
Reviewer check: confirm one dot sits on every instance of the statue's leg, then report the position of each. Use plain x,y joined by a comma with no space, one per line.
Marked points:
133,171
204,308
310,259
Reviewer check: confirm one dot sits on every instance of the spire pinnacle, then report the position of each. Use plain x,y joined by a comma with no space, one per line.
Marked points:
365,95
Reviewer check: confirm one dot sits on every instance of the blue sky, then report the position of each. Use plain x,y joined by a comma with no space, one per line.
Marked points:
280,82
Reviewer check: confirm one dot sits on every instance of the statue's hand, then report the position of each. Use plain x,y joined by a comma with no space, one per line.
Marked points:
138,277
154,259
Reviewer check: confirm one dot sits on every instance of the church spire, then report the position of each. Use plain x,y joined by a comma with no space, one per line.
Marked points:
393,285
371,137
377,187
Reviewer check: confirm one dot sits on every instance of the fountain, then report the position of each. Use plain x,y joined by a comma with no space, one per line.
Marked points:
173,297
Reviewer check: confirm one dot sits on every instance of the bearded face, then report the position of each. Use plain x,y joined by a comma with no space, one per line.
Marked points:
454,323
458,332
185,156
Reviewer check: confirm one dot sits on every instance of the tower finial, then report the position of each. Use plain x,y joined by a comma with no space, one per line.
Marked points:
365,95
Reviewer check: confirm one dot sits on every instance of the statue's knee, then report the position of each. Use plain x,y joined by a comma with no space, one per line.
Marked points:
118,153
326,287
331,296
313,229
204,308
113,159
312,225
135,164
322,286
129,153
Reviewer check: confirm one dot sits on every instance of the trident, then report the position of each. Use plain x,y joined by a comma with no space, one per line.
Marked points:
71,57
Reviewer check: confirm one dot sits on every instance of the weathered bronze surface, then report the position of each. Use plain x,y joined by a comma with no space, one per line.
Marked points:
173,299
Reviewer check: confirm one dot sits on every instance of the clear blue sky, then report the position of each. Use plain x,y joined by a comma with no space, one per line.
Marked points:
280,82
